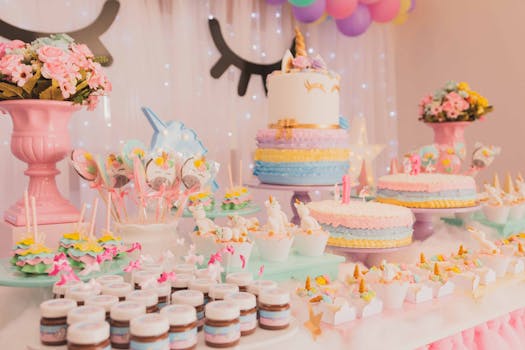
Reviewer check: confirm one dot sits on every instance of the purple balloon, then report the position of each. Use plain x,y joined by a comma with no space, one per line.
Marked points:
357,23
309,14
412,6
275,2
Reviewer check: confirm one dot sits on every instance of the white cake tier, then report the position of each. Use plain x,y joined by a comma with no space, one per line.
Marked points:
307,97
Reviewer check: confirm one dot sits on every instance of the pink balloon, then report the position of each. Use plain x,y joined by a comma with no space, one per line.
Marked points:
340,8
368,2
385,10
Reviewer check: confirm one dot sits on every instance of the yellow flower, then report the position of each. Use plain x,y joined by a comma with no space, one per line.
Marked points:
36,249
450,151
73,236
26,241
463,86
108,237
159,161
90,246
483,102
244,190
228,195
445,162
236,194
198,163
88,156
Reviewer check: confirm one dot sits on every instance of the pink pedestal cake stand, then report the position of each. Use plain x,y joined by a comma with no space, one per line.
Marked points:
299,193
361,254
424,227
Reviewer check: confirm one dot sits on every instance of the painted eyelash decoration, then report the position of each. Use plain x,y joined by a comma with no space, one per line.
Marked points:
310,86
228,58
89,35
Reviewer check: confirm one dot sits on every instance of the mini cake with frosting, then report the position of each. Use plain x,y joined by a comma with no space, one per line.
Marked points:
310,239
359,224
206,198
274,240
110,241
391,286
304,143
68,240
365,301
236,198
85,253
427,190
32,257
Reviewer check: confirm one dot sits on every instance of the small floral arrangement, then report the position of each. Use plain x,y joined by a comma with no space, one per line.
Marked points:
51,68
453,103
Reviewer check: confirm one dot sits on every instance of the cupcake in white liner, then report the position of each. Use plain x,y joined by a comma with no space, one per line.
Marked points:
275,239
241,244
310,239
494,207
392,286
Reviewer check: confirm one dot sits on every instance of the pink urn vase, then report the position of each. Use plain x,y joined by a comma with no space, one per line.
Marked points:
40,138
449,138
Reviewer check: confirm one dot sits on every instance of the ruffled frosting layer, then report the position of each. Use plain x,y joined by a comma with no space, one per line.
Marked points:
425,182
300,155
367,243
363,215
303,139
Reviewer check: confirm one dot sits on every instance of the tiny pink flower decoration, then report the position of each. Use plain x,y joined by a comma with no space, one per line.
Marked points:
61,265
167,276
217,257
133,265
261,271
67,277
230,249
134,246
301,62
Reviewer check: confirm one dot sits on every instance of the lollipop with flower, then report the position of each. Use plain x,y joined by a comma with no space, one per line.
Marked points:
453,103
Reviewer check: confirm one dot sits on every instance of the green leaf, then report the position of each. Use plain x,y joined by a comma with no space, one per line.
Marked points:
30,84
82,85
11,89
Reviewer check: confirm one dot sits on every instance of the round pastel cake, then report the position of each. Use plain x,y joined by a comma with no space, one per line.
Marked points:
360,224
304,143
427,190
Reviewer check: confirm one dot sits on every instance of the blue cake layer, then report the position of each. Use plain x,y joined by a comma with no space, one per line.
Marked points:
415,196
391,233
300,173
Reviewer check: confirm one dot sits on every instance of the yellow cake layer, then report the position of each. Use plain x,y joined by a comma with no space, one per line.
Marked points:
301,155
434,204
369,243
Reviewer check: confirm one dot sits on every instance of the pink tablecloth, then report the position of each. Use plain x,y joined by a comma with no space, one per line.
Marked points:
506,332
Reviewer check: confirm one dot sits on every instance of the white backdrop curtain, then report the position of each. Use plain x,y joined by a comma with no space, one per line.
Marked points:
163,53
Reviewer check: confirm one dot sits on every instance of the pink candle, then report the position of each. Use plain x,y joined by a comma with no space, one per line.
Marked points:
346,189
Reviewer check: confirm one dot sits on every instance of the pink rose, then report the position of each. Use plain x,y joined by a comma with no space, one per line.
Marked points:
82,49
51,54
21,74
92,102
54,70
67,87
301,62
448,107
15,44
97,79
8,63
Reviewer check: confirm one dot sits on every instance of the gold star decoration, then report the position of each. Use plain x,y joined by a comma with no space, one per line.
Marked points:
314,323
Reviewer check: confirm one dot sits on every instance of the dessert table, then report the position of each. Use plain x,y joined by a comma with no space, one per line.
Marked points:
474,314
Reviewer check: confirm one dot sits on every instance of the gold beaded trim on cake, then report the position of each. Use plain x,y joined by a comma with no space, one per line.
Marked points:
369,243
285,126
435,204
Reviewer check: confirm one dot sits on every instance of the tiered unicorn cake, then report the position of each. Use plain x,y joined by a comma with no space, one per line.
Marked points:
304,144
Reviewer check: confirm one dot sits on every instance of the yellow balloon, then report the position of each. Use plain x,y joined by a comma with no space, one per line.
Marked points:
405,6
323,18
401,18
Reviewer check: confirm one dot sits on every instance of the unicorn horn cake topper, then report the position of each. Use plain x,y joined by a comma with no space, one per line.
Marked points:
357,273
300,47
422,258
461,250
362,286
436,270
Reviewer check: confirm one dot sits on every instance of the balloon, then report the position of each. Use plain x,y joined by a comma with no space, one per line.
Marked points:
357,23
368,2
275,2
412,6
384,11
309,14
301,3
400,19
404,6
321,19
339,9
402,15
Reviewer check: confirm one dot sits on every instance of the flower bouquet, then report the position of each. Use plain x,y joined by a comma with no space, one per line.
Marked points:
455,102
41,85
51,68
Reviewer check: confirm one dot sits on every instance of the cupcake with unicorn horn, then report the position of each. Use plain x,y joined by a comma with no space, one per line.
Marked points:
30,255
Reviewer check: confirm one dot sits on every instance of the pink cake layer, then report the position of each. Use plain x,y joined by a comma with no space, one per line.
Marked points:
302,138
425,182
